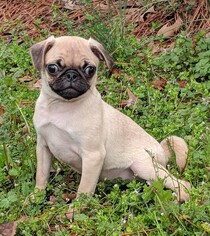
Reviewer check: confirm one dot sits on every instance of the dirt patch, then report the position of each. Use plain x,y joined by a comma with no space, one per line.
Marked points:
35,17
19,16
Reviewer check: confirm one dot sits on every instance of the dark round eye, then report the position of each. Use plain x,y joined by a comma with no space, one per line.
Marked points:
52,68
89,70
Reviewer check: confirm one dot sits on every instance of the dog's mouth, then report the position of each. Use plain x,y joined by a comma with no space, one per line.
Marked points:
70,92
70,84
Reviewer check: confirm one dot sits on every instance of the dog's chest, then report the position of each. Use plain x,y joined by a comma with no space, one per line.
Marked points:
63,145
60,133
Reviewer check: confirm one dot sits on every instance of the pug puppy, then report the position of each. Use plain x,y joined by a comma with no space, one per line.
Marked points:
77,127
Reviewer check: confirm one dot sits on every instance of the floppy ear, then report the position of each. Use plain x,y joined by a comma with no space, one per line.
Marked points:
39,50
100,52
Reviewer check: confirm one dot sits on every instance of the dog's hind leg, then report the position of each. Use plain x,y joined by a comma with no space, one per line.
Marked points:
179,147
149,170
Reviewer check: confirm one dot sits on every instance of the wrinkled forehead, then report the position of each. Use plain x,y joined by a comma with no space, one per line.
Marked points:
71,51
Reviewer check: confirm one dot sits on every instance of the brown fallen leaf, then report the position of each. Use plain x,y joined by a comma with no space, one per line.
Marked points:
8,229
131,99
26,103
1,120
155,48
130,79
208,35
135,15
73,234
132,15
115,71
25,130
182,83
208,168
2,111
36,86
58,226
150,10
25,79
159,84
168,31
68,196
53,199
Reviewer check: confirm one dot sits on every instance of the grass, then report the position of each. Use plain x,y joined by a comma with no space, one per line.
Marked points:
118,207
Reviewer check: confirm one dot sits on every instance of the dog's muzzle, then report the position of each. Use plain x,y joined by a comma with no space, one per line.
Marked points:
72,75
71,84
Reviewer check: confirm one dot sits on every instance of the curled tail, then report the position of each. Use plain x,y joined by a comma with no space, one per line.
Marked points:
174,144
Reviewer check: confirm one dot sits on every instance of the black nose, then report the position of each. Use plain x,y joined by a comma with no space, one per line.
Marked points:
72,75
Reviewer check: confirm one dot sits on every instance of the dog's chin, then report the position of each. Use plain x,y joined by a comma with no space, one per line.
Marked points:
70,92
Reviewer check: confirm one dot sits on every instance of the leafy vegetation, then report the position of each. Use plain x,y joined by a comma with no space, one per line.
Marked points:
172,88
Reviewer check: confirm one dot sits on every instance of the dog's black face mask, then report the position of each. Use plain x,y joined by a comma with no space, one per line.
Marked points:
70,83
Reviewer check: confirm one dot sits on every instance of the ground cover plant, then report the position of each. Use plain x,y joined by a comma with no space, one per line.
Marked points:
166,91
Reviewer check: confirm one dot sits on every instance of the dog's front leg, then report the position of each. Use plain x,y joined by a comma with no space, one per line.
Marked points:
92,164
44,159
